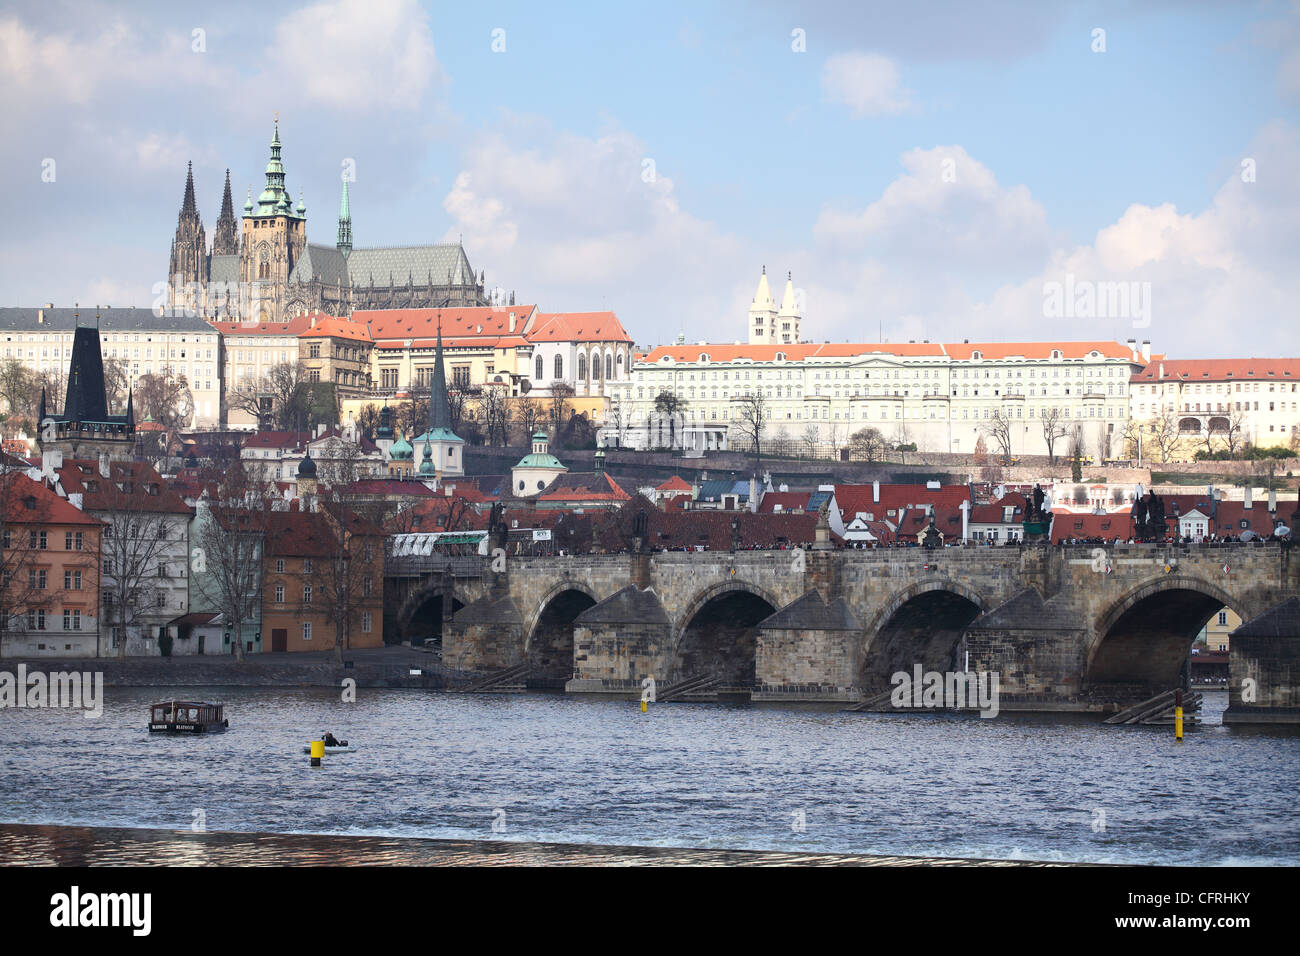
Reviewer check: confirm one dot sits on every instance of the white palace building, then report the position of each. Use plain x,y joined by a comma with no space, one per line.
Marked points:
940,397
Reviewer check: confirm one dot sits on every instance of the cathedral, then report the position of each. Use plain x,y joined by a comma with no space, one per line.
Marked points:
265,270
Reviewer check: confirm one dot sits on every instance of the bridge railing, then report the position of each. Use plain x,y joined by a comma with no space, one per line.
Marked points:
460,566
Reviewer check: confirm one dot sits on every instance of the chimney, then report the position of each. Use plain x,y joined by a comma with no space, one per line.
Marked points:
1246,502
313,320
1162,370
875,492
1272,500
103,466
1146,350
1133,349
40,316
512,323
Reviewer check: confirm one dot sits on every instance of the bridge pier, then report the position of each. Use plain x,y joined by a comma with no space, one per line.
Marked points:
620,641
809,650
1264,668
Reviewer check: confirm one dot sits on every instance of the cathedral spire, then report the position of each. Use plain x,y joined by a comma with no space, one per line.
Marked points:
345,223
188,206
439,408
225,241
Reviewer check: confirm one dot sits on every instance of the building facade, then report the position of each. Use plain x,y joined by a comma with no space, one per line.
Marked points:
139,341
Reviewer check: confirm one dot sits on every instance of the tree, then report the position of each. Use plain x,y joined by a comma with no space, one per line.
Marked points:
494,413
1234,435
350,578
233,531
1076,455
559,409
117,380
867,444
999,429
981,454
134,542
1131,438
277,396
1053,431
16,388
528,415
751,419
1163,431
810,438
166,399
669,405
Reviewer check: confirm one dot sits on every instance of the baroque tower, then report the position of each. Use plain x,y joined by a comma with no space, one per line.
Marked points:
275,232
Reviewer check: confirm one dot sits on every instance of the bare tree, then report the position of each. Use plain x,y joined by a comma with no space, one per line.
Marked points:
494,413
528,415
1163,431
751,420
867,444
117,380
350,580
278,395
1053,431
135,537
17,385
809,438
166,399
669,405
559,410
234,530
999,429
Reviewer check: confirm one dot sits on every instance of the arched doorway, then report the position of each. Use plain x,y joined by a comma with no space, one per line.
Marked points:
425,623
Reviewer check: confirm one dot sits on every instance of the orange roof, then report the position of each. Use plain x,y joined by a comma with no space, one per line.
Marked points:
579,327
675,483
292,326
457,323
1220,370
328,325
31,502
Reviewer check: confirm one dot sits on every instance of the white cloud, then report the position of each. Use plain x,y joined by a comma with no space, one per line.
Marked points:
867,83
358,54
572,223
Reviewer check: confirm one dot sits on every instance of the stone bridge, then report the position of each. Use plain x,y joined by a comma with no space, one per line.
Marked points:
1065,628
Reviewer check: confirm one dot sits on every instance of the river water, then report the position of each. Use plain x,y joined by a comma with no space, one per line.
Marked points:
556,769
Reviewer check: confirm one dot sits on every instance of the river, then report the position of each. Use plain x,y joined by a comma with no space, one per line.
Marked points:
556,769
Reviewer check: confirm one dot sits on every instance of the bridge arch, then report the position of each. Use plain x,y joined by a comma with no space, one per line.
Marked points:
718,633
921,624
421,614
548,641
1141,641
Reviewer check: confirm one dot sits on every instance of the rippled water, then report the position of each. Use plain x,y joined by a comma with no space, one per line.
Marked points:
569,770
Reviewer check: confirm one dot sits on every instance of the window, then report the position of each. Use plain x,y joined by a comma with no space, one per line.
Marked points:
71,620
35,620
1223,619
279,594
36,580
367,586
540,372
36,540
306,631
71,580
307,566
279,566
306,594
71,541
559,367
365,622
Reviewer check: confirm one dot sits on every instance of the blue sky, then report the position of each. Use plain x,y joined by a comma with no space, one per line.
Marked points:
1122,165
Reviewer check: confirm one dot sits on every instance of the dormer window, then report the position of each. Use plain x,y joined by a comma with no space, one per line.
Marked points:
1056,353
976,355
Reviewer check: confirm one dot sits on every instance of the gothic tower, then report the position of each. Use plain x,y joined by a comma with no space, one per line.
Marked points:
225,241
762,314
275,233
188,271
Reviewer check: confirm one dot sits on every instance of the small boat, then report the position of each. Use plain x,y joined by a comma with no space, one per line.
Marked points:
187,717
342,748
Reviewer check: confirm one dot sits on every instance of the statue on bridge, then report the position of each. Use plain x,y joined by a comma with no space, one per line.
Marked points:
640,531
497,530
1149,518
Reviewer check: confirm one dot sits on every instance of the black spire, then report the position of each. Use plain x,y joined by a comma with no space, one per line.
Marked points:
86,401
188,206
439,408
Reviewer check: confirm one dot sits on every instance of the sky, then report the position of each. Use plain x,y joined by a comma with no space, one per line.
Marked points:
937,170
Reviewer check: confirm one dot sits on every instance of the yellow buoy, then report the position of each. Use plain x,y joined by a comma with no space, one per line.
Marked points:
643,706
317,751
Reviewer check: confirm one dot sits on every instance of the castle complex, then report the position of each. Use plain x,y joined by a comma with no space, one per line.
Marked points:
267,271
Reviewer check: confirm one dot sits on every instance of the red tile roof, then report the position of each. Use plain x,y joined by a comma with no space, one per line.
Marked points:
675,483
578,327
1221,370
48,508
477,325
855,499
1116,527
328,325
130,481
788,500
584,486
291,326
